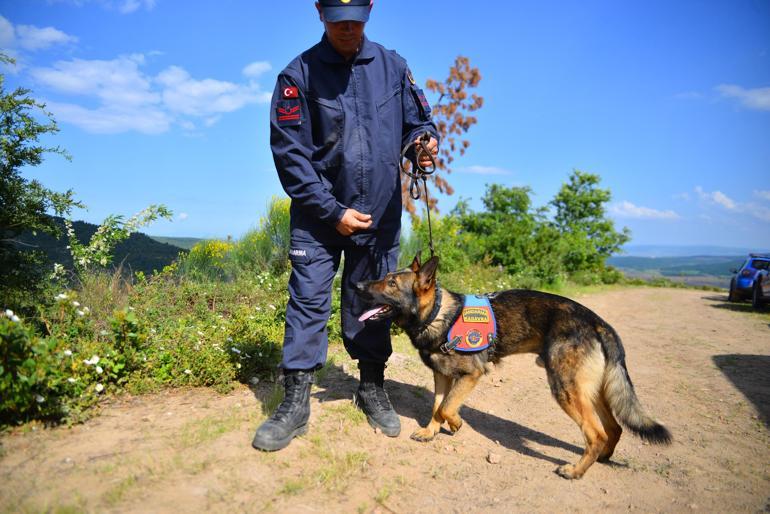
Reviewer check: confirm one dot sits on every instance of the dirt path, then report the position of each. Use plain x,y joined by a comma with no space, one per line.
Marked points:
699,365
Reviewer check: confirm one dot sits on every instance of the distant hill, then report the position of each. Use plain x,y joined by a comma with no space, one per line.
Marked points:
137,253
182,242
686,250
700,270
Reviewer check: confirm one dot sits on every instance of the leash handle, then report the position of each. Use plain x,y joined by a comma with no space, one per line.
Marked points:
417,172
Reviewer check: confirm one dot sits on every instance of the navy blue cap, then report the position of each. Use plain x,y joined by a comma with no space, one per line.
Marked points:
346,10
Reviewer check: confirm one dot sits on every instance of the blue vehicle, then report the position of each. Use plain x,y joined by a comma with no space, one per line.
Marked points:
742,284
761,291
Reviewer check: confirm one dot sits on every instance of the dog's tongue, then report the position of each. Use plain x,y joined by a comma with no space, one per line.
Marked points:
371,312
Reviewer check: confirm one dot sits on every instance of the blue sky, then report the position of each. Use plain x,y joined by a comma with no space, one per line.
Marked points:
166,101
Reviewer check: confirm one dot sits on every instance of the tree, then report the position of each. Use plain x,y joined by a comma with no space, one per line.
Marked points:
26,204
453,118
513,234
581,220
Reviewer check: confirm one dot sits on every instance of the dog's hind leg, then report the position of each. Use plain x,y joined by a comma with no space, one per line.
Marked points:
460,390
576,390
442,385
611,426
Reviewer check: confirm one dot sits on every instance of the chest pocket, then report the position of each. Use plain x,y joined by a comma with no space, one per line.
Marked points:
327,122
389,116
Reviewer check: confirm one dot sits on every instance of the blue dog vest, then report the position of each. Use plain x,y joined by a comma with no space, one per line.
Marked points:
475,329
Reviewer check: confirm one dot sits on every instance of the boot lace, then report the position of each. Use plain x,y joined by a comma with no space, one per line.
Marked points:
291,398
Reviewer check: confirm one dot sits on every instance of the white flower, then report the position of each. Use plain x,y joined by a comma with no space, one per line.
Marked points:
92,360
39,399
75,304
61,296
68,353
238,365
99,370
80,313
86,310
15,318
272,306
99,388
235,350
187,372
103,332
200,333
72,380
152,331
130,308
9,313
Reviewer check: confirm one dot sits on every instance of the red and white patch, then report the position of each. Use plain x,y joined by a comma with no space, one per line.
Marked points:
290,92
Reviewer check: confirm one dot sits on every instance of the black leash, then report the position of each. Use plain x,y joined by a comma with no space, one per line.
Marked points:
417,172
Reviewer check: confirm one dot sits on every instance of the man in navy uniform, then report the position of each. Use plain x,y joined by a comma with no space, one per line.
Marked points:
341,112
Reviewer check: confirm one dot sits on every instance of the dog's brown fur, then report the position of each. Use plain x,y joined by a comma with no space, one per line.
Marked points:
581,353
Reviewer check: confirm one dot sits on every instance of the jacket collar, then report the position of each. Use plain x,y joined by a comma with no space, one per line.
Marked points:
329,55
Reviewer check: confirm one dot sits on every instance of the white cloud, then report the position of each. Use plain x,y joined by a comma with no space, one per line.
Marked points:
485,170
256,69
30,37
717,197
758,211
757,98
122,6
627,209
182,216
129,99
7,34
183,94
682,196
113,119
116,82
129,6
35,38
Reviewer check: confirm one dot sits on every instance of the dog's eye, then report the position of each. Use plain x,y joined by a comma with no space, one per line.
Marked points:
392,283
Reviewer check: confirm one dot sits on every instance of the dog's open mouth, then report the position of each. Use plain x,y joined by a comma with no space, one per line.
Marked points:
378,312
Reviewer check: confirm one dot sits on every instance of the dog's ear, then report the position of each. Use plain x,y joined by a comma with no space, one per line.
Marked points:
427,273
415,266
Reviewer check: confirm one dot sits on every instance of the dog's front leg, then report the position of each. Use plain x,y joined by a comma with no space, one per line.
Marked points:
450,409
442,385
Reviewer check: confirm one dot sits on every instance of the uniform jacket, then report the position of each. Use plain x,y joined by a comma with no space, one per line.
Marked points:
336,133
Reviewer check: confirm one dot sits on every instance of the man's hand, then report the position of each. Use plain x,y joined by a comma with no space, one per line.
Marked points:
432,145
353,221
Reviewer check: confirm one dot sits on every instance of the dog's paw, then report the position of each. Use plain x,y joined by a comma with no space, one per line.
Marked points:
423,435
455,424
567,471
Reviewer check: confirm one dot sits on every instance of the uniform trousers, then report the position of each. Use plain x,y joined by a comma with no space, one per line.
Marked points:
314,267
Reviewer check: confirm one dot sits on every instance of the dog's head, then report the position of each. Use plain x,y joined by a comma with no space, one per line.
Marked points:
406,296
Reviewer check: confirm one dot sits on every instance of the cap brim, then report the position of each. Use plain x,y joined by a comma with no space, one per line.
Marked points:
346,13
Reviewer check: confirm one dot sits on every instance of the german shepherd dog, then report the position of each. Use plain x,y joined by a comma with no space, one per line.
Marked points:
581,353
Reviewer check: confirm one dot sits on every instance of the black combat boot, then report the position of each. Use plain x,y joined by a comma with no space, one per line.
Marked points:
290,418
373,400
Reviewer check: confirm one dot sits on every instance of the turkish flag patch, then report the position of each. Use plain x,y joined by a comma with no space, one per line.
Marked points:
288,112
290,92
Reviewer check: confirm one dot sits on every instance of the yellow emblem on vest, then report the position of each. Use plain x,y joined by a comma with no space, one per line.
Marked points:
475,315
345,1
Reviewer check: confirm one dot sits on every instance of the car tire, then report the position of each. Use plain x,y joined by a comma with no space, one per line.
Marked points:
756,295
732,296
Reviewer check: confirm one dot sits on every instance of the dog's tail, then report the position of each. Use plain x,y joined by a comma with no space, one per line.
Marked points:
619,393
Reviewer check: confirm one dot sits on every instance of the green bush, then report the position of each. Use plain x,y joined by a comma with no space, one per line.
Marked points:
266,248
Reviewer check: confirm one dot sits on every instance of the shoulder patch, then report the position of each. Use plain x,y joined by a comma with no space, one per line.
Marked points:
288,112
290,92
